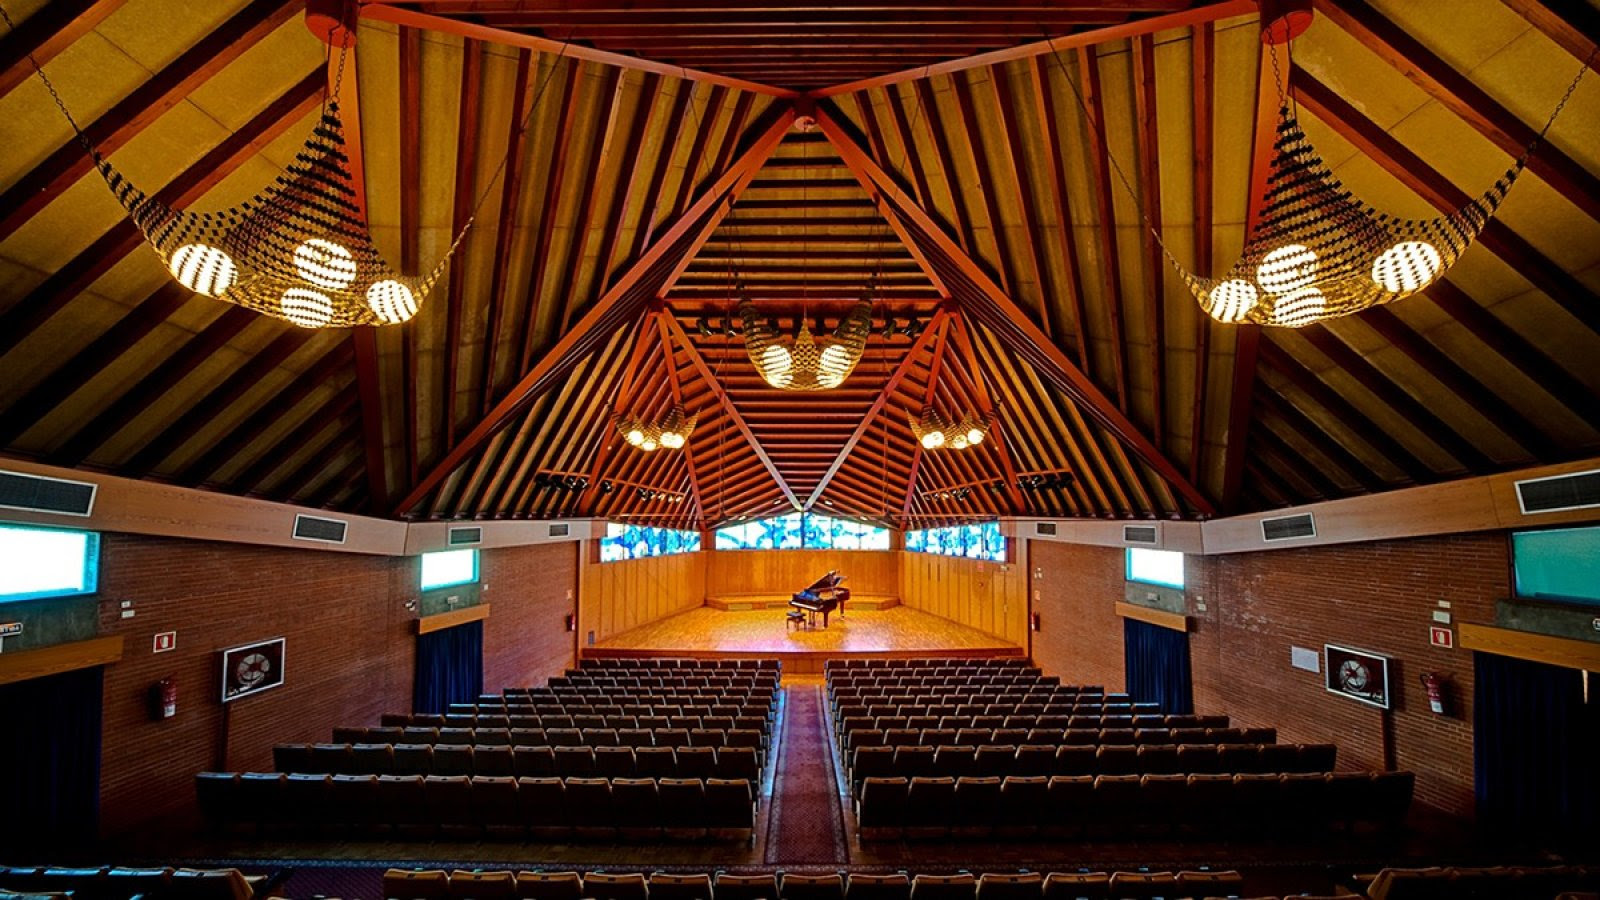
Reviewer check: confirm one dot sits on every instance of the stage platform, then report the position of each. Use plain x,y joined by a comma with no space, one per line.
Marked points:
708,633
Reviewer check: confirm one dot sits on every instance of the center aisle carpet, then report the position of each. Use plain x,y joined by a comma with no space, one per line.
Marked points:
806,823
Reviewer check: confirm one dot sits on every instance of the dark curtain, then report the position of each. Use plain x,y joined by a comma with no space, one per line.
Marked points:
449,668
1155,662
1534,745
50,760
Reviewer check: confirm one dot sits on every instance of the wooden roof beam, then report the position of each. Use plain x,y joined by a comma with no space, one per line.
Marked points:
1203,81
45,34
1056,367
1457,93
1084,38
987,406
382,12
1570,23
522,99
1106,219
602,316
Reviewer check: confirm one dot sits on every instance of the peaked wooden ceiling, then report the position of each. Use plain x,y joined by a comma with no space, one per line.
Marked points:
964,173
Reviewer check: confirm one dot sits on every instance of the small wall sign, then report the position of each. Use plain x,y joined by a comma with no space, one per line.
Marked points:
10,629
165,641
1441,637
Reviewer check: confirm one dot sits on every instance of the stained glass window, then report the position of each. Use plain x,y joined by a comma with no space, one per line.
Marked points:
634,541
981,541
809,531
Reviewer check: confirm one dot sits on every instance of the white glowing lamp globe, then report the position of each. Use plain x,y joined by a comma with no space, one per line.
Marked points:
777,366
203,269
635,437
959,442
392,302
933,440
672,440
1407,267
1232,301
835,359
325,264
974,436
306,308
1287,268
648,444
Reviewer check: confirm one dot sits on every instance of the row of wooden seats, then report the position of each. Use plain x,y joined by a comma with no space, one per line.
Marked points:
1188,759
920,717
719,678
681,662
1014,697
726,718
946,684
1481,882
545,808
1117,804
122,883
437,884
522,760
857,738
720,706
917,662
721,731
644,694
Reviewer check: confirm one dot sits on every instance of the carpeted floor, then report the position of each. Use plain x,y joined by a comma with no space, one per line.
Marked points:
806,824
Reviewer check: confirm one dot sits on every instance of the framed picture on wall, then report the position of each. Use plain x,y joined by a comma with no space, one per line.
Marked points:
1357,674
252,669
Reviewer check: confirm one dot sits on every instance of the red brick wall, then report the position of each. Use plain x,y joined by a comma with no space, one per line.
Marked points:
530,591
349,657
1377,597
1080,634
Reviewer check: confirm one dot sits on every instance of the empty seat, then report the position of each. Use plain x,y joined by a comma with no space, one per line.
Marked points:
738,762
449,800
811,887
861,886
1143,885
574,761
976,804
696,762
542,801
1035,759
1022,803
1117,760
746,887
416,884
664,886
729,804
930,801
615,886
881,809
655,762
613,762
1228,883
493,760
636,806
1007,886
483,885
413,759
1076,886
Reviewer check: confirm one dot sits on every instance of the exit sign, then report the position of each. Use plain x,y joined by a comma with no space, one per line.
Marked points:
10,629
1441,637
166,640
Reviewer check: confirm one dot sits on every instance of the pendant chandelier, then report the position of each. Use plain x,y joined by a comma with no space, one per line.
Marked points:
1318,251
299,250
670,431
803,363
935,432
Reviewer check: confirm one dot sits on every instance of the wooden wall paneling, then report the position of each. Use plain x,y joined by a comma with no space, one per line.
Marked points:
786,571
617,596
988,596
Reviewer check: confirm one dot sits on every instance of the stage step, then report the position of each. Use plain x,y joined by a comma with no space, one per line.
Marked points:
740,602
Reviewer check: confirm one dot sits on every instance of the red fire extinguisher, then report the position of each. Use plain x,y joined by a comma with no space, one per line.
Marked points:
164,699
1433,683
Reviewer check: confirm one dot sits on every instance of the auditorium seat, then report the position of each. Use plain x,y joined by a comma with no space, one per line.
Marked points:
416,884
655,762
483,885
1023,804
1227,883
746,887
450,802
930,802
533,761
218,796
413,759
1076,886
696,762
863,886
608,886
573,761
372,759
682,805
664,886
589,806
492,760
976,804
636,807
353,802
738,762
1009,886
796,886
543,805
730,806
1142,885
613,762
880,812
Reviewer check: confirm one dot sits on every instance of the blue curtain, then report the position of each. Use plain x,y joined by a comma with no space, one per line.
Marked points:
1155,663
50,760
449,668
1534,745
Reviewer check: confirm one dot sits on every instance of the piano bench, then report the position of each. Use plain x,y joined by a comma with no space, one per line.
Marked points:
794,618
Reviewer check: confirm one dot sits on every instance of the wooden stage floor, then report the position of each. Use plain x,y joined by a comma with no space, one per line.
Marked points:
895,632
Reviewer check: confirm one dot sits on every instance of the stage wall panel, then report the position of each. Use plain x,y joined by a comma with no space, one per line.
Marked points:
787,571
989,596
617,596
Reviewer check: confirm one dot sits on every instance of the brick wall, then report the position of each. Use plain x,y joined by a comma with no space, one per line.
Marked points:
530,591
1376,597
1080,634
349,656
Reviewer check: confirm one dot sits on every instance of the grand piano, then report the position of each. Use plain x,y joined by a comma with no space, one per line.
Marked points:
823,596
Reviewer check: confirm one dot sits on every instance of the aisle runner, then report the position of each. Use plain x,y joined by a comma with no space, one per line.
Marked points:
806,823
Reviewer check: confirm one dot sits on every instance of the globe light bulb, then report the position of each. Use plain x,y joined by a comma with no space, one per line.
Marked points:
391,301
933,440
307,308
1287,268
1231,301
671,440
959,442
325,264
648,444
203,269
1407,267
635,437
974,436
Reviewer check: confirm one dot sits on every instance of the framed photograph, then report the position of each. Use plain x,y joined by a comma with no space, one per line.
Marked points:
252,669
1357,674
